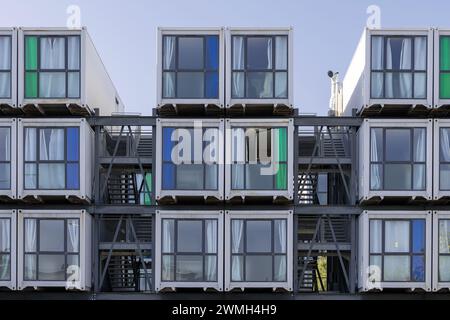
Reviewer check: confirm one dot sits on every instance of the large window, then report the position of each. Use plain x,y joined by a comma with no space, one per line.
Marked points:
397,158
399,67
190,67
190,158
51,248
5,158
397,248
5,249
258,250
259,67
52,158
5,67
259,159
444,67
52,67
444,250
189,250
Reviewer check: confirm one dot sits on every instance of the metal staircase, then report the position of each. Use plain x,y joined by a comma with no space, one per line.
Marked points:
122,271
327,147
122,189
309,281
307,188
145,146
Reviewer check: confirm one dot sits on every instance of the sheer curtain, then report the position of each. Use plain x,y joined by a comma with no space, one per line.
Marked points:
375,236
51,176
52,84
168,236
73,231
445,144
420,53
280,226
444,236
30,246
405,64
169,64
396,236
237,229
375,174
5,235
404,87
419,156
281,53
238,155
377,64
30,144
5,64
5,145
211,247
238,64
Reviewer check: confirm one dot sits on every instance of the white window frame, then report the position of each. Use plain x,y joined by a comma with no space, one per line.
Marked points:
438,102
11,214
188,214
438,285
190,32
12,32
437,125
261,215
364,248
364,158
84,251
12,124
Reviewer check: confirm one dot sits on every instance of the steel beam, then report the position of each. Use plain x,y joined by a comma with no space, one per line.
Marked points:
307,121
143,121
330,210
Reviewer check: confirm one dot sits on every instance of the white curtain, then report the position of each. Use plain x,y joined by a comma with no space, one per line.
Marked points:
73,229
169,84
5,145
211,247
377,85
375,174
375,236
419,156
52,53
269,53
73,54
396,236
5,84
444,236
238,85
405,64
445,144
30,144
281,85
267,89
377,53
52,144
52,84
238,53
30,235
281,53
5,53
237,229
238,155
420,53
168,236
280,226
5,236
169,52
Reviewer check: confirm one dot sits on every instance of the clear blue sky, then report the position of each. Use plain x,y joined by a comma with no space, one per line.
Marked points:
326,33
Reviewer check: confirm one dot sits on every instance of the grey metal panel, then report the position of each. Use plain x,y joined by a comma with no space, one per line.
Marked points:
125,161
123,121
327,121
323,161
331,210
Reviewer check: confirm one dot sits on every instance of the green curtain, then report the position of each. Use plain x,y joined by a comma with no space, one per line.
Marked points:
281,175
31,63
444,77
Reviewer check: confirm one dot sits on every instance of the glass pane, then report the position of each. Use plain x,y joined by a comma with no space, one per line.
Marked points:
376,85
30,53
190,53
398,53
190,176
256,179
168,178
73,235
169,53
190,85
375,266
376,144
444,268
5,176
190,234
51,235
375,235
73,85
259,53
237,268
281,85
30,144
5,52
419,144
419,177
52,176
258,268
30,235
280,236
52,84
5,84
52,53
282,143
5,236
398,144
377,53
211,236
237,176
73,174
51,267
5,267
189,268
444,85
444,53
30,176
259,85
211,85
376,177
398,85
51,144
444,143
418,233
168,268
420,85
418,268
168,85
237,236
168,144
168,240
73,144
444,236
238,53
30,267
212,52
210,268
397,177
73,267
259,236
31,85
281,52
396,236
397,268
420,53
237,90
444,177
280,268
281,177
211,177
73,53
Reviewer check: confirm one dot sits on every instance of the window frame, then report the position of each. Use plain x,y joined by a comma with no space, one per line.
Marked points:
11,66
10,252
411,71
38,161
273,70
441,161
439,253
9,162
38,69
